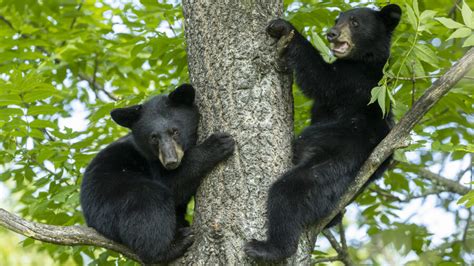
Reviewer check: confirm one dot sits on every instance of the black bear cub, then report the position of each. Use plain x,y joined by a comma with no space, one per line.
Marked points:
344,128
135,191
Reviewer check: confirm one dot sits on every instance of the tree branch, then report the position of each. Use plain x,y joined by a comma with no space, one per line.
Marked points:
448,184
61,235
6,21
341,249
328,259
96,86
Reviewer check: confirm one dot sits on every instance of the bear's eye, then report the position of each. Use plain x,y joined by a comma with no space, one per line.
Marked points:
354,22
174,132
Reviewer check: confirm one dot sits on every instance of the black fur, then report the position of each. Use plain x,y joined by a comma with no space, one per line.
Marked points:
130,197
343,131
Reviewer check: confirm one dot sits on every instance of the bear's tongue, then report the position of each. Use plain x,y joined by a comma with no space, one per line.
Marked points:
340,47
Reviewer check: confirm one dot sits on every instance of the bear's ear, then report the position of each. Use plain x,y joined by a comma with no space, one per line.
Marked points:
391,15
184,94
126,116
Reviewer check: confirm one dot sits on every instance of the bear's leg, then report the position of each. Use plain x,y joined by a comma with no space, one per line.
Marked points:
148,224
301,197
288,211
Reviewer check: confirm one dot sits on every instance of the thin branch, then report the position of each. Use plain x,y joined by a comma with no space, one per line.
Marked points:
61,235
73,22
407,198
10,25
469,216
342,254
466,227
414,78
422,195
452,10
463,172
48,135
342,236
448,184
385,194
413,84
97,86
94,75
328,259
327,233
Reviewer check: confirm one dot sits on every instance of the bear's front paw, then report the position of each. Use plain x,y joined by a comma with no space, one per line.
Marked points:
184,232
185,238
220,144
279,27
263,251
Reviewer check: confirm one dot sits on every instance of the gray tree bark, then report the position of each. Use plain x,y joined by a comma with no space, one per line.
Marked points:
230,61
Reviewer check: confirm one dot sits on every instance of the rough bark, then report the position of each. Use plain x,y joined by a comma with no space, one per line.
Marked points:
238,91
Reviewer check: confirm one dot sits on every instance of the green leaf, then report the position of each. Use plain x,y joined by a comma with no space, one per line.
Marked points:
375,94
321,46
6,113
449,23
40,92
468,199
427,15
42,124
460,33
424,53
9,99
411,17
43,110
469,41
467,15
415,8
381,100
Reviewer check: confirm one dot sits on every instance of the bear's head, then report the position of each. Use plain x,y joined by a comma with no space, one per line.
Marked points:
164,127
364,34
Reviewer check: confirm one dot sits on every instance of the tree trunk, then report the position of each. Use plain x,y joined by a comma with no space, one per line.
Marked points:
231,65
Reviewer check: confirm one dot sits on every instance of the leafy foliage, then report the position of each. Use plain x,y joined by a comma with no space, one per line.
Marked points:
65,64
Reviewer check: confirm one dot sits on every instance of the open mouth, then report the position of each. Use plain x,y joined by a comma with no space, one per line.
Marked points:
340,48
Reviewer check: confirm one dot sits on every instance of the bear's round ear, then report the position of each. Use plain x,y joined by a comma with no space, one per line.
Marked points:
127,116
184,94
391,15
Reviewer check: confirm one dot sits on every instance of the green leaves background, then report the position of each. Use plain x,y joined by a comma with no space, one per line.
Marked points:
65,64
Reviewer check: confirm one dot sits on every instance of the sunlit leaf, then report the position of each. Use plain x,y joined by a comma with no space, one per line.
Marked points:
449,23
460,33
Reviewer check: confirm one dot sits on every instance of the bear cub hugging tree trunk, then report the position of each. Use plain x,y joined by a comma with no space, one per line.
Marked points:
135,191
344,128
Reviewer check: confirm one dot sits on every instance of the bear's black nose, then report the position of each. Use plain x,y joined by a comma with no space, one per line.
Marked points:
172,165
333,34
